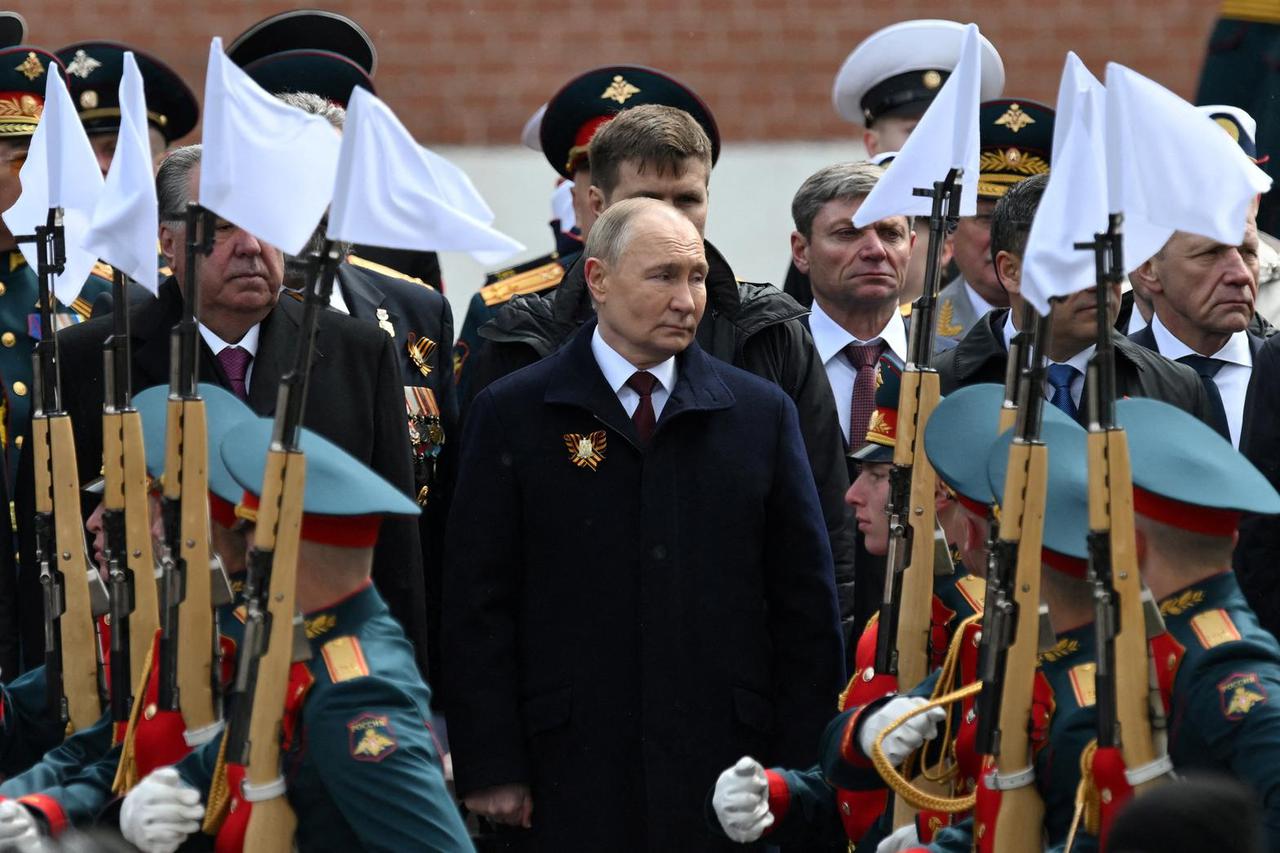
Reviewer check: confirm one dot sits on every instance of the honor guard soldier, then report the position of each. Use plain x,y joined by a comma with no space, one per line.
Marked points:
1015,137
1191,489
569,121
311,50
94,70
886,84
363,766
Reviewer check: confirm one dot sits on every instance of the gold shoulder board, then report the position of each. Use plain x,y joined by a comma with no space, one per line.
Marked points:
535,280
1213,628
1084,684
104,270
974,590
357,261
344,659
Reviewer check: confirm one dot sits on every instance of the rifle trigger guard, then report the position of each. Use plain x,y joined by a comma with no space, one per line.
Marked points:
997,781
197,737
1151,770
258,793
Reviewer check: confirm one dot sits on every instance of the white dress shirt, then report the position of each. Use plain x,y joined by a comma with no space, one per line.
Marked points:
830,339
1232,379
1080,361
617,370
248,342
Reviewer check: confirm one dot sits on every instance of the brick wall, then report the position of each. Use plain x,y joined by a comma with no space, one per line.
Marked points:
471,71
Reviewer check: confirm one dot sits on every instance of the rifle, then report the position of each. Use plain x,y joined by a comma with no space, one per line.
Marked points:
1130,709
271,621
126,517
1012,627
903,634
188,678
71,606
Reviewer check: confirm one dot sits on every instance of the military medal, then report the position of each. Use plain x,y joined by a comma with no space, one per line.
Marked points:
426,436
384,322
586,451
421,350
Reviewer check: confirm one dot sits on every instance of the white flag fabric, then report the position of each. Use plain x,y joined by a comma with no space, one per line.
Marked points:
945,138
1074,206
61,171
1172,166
125,222
267,167
392,192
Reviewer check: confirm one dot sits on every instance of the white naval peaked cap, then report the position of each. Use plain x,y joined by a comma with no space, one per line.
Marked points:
531,135
927,47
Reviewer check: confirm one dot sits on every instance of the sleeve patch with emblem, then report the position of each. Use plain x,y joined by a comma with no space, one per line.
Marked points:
1238,693
1213,628
370,737
344,659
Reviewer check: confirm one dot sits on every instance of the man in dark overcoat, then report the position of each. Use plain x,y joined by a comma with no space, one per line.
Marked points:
658,599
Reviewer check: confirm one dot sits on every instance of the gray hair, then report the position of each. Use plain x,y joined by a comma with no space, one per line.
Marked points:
611,233
173,182
841,182
316,105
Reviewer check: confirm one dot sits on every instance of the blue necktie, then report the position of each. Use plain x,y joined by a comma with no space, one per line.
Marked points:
1060,378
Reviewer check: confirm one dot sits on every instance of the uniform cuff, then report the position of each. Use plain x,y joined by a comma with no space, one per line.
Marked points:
779,797
47,807
850,752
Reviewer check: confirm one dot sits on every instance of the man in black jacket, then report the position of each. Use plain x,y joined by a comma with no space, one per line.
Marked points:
982,354
661,152
249,338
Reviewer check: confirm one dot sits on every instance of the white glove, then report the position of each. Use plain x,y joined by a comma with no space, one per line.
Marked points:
908,737
903,838
18,829
741,801
159,814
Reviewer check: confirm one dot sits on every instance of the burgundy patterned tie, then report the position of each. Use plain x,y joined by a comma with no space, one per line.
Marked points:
643,383
235,363
863,358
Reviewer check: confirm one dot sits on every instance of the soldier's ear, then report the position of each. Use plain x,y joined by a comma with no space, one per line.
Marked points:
596,199
800,252
1009,270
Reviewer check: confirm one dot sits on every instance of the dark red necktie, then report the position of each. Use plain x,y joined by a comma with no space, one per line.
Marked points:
863,358
235,363
643,383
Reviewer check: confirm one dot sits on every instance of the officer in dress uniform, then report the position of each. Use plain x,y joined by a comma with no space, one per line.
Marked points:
1191,489
94,70
1015,136
362,764
568,122
311,50
886,84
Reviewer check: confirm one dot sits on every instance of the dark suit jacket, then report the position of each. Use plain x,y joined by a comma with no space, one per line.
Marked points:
981,357
617,633
1258,552
1147,338
355,400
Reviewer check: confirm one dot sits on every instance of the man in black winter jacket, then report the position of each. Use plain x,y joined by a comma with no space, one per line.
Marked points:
661,152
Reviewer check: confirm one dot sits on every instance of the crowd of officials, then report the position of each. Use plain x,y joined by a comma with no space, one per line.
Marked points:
630,526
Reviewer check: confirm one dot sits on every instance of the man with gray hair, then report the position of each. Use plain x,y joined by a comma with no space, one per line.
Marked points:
248,340
650,606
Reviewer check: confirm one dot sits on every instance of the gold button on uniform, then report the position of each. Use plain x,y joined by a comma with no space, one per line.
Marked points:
8,339
2,288
20,388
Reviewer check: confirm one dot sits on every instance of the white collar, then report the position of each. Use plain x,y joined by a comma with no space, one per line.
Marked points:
1080,361
830,338
248,342
1234,351
980,305
617,370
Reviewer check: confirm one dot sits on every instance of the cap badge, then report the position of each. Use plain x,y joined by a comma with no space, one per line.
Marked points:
619,90
82,65
31,67
88,99
586,451
1015,119
932,79
1013,156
